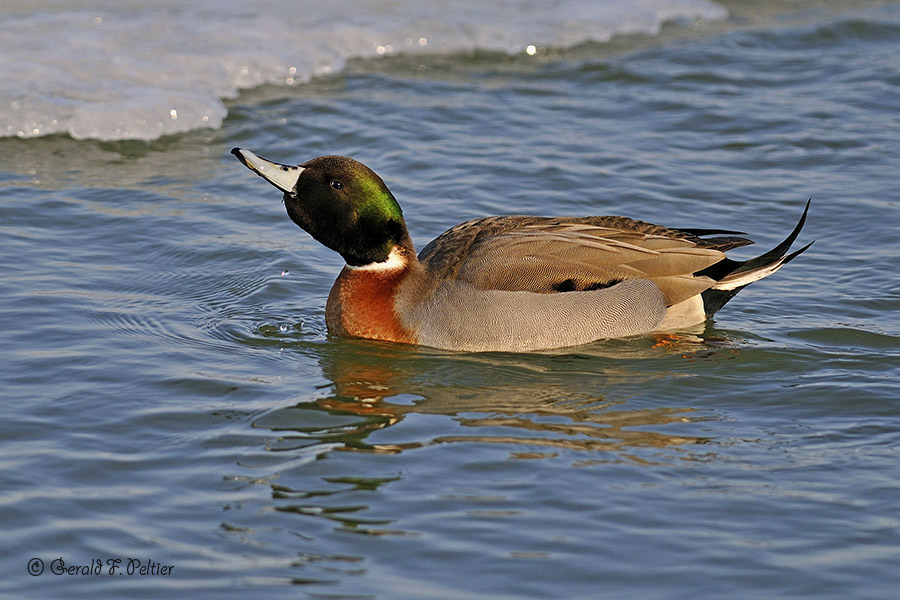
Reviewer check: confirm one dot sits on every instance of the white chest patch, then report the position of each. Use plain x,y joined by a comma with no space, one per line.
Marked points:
395,261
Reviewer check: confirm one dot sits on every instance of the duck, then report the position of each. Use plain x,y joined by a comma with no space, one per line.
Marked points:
507,283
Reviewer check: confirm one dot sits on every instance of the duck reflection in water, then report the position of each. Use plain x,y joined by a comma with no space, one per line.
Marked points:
539,403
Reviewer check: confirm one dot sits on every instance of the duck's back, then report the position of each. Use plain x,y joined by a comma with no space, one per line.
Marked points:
529,282
566,254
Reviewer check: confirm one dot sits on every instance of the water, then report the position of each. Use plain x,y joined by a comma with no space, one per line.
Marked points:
147,71
170,393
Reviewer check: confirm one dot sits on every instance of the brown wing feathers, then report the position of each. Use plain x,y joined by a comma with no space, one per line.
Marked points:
553,255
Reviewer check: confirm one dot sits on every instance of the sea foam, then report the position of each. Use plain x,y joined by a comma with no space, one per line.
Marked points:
120,69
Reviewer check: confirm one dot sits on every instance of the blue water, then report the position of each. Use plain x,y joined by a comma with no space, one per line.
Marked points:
170,393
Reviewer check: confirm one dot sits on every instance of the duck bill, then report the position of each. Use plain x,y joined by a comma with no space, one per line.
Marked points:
284,177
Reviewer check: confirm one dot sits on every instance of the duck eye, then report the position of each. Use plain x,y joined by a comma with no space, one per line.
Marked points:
336,184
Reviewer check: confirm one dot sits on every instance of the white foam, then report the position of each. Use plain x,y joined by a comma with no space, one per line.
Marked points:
120,70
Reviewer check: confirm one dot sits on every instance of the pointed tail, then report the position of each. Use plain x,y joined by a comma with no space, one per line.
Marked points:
732,276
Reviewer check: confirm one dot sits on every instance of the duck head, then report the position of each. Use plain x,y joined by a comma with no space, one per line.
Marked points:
340,202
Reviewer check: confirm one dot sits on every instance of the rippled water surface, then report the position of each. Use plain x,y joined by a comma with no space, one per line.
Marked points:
170,393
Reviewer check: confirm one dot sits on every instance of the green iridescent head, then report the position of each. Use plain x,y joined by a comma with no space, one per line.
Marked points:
341,202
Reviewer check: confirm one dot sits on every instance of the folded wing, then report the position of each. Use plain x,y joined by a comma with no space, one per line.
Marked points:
558,255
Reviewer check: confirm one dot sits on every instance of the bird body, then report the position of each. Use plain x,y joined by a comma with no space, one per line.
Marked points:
511,283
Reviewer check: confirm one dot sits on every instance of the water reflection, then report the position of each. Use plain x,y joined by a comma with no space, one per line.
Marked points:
352,460
538,402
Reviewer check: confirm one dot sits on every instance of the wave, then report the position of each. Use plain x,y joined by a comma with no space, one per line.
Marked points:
120,70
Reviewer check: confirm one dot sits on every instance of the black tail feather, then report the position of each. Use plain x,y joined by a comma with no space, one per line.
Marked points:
778,251
714,299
